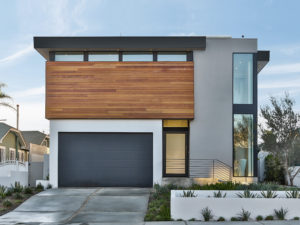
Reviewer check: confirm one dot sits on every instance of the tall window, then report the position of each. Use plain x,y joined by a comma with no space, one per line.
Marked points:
243,145
242,78
12,154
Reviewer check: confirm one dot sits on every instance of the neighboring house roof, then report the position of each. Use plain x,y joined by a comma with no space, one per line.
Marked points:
5,129
34,137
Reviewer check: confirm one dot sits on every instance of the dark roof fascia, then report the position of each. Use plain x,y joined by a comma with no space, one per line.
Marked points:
263,55
44,45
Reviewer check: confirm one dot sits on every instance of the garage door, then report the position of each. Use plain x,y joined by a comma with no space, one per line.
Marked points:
105,159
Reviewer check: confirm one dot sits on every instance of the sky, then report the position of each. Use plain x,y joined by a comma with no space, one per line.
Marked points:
275,23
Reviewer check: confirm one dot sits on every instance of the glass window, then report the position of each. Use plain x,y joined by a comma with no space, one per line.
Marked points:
68,56
169,56
12,155
137,56
2,154
243,79
243,145
175,153
175,123
103,56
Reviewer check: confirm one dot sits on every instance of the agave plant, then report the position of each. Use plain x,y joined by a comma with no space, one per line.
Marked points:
269,194
2,191
207,214
219,195
244,215
281,213
246,194
292,194
188,194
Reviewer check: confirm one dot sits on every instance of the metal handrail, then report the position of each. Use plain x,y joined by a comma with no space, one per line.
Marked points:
12,162
210,168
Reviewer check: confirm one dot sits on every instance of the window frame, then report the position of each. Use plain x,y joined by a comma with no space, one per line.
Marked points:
253,145
81,52
103,53
253,73
180,130
14,153
246,109
150,53
3,153
172,53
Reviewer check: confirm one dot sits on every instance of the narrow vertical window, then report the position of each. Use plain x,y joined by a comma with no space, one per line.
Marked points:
175,147
243,145
242,78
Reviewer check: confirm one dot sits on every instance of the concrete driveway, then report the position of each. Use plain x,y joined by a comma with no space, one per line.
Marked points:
82,206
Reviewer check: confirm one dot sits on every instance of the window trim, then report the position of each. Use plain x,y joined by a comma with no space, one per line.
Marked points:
176,130
14,151
4,153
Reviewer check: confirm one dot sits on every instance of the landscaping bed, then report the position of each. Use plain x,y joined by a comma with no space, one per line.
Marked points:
12,197
159,201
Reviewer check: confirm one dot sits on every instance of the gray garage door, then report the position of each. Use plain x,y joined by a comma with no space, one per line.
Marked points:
105,159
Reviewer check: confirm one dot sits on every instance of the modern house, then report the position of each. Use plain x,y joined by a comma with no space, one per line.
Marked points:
134,111
13,156
38,145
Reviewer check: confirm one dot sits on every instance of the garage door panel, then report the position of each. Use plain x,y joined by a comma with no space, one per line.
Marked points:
105,159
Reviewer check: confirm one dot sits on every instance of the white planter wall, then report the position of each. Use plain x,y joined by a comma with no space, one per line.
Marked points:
11,173
190,207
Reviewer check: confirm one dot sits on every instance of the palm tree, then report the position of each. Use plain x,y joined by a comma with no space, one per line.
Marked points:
4,96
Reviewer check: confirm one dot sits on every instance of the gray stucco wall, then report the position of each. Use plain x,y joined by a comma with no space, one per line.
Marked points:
211,129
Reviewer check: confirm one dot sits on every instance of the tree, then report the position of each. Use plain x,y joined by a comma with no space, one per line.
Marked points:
4,97
280,132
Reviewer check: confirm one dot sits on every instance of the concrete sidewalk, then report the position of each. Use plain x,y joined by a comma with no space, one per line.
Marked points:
275,222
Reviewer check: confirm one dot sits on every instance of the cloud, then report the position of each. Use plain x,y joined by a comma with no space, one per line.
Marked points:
29,92
282,69
17,55
295,83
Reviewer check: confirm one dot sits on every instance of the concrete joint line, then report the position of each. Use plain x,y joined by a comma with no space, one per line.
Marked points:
82,206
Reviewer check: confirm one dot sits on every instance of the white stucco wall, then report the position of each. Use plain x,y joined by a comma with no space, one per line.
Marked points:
153,126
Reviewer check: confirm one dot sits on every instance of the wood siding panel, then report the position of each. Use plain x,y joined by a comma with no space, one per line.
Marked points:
119,90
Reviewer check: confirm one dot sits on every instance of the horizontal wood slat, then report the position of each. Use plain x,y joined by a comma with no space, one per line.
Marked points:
119,90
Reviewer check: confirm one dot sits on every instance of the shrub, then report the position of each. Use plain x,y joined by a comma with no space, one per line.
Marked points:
193,219
221,219
244,215
259,218
17,188
296,218
188,193
7,203
207,214
9,192
246,194
292,194
3,190
49,186
281,213
18,196
219,195
27,190
268,194
39,187
270,217
234,219
274,171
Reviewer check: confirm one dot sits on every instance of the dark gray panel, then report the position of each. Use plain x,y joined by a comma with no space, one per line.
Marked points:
105,160
44,45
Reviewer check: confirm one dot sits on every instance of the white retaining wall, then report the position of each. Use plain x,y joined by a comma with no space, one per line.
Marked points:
190,207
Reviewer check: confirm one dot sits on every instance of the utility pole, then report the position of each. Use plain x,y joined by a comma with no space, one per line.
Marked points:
17,116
